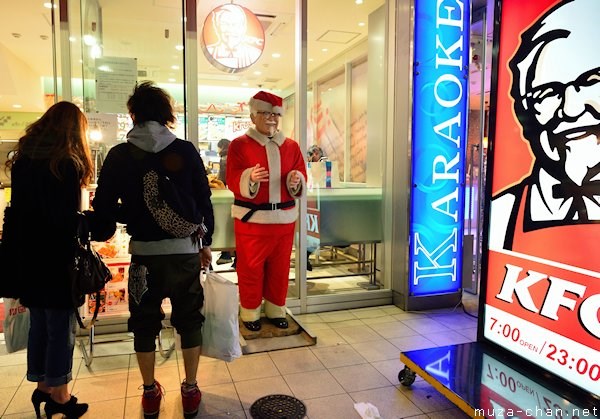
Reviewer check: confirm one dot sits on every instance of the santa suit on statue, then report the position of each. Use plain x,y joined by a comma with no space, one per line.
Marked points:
266,173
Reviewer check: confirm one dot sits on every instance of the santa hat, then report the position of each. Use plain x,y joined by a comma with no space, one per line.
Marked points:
266,102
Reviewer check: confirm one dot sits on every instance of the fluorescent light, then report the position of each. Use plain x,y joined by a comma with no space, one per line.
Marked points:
17,106
276,55
179,47
89,40
175,67
95,51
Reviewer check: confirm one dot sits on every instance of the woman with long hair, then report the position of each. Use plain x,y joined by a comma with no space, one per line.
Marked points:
51,164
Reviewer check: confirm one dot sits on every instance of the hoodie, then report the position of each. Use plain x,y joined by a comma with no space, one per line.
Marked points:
119,195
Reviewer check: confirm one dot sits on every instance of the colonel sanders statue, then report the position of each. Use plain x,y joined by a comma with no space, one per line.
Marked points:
266,173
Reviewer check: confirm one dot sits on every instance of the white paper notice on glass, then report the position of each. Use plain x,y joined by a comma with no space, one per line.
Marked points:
115,80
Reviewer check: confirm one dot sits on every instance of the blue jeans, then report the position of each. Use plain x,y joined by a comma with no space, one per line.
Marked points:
50,346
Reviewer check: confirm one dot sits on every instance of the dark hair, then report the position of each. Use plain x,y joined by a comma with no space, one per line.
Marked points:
151,103
223,144
59,135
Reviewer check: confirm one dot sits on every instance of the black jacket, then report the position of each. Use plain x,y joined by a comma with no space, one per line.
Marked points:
119,195
43,222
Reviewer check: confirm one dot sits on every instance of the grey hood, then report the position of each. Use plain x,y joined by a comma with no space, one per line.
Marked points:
150,136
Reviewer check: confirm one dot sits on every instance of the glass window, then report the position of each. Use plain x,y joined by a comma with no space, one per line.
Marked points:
346,116
26,84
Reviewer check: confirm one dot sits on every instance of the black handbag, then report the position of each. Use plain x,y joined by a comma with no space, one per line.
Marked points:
89,273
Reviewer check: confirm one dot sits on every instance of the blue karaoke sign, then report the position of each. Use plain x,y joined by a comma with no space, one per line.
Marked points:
438,145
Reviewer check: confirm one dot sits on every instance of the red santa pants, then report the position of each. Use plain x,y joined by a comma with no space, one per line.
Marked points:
263,267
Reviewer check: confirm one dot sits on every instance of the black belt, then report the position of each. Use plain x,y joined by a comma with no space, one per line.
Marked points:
264,207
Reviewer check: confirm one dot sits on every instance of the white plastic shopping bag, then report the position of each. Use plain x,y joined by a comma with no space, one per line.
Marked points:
220,332
16,325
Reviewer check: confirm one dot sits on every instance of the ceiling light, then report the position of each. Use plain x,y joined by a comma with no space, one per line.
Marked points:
358,1
257,73
175,67
361,23
179,47
48,5
17,106
324,50
172,80
276,55
72,39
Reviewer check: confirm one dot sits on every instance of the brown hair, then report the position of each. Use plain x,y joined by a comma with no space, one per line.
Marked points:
59,135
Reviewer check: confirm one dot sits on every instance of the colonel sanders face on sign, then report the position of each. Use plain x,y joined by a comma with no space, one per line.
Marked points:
556,88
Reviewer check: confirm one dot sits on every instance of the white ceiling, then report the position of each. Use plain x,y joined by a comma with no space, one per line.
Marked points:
138,28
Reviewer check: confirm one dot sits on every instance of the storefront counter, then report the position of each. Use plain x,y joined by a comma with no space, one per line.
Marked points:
346,215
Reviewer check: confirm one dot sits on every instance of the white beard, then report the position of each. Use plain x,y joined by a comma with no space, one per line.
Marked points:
581,155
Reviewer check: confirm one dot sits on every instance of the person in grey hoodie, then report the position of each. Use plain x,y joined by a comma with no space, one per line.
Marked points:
164,263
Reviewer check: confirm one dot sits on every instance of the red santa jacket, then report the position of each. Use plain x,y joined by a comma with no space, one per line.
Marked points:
280,156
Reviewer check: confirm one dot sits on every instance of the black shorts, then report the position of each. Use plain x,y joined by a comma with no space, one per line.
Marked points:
151,280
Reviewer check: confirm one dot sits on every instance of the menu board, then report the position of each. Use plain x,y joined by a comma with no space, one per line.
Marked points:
541,281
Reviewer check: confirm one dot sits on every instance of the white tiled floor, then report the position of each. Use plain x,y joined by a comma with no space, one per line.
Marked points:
356,359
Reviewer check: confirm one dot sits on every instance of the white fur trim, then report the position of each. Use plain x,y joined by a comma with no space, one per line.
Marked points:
280,216
274,312
262,139
245,190
274,161
250,314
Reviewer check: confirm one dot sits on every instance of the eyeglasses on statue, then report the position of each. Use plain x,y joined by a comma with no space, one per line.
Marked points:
268,114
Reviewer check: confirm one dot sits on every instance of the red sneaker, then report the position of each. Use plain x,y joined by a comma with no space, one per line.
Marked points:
190,397
151,401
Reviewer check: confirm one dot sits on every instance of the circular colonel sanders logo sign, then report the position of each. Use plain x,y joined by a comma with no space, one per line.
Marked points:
232,38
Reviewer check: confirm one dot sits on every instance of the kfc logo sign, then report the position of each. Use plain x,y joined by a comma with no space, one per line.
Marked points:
560,294
542,272
232,38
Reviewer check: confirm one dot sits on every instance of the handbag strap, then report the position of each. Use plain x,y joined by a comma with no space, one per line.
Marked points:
94,316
